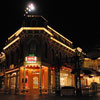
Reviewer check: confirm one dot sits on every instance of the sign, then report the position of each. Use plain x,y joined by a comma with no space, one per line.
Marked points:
31,59
31,55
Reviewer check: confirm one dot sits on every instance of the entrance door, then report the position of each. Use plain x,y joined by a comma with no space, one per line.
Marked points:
35,84
13,85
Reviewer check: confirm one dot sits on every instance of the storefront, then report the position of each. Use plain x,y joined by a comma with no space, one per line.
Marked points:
12,81
66,78
86,80
35,75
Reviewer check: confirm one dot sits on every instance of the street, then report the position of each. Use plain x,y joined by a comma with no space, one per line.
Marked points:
48,97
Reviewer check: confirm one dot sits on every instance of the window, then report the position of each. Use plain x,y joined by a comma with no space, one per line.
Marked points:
12,58
60,58
17,55
7,60
53,58
33,47
66,58
21,54
46,51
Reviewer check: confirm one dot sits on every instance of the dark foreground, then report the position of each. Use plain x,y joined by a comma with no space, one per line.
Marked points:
48,97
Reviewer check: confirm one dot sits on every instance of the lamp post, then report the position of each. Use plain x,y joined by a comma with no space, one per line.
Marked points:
77,71
57,75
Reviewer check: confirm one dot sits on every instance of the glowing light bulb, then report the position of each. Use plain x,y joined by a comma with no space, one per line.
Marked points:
31,7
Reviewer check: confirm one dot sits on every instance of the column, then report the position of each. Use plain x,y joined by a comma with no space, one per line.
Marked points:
9,77
49,80
77,76
40,79
5,82
57,76
16,87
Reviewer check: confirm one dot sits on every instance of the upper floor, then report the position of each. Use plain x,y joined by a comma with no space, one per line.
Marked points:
91,63
37,37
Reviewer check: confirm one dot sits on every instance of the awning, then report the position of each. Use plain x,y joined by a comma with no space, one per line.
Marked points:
69,69
33,66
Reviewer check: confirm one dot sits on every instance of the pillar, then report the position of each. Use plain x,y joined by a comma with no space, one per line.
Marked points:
49,80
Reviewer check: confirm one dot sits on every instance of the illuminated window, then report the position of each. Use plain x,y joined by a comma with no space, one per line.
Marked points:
52,78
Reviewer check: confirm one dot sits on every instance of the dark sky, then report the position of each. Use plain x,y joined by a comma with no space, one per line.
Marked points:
78,21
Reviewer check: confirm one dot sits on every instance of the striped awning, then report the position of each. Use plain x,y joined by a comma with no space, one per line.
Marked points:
33,66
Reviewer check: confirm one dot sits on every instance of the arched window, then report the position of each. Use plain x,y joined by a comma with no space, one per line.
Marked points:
21,52
46,50
17,55
7,60
60,56
33,47
12,58
66,58
53,56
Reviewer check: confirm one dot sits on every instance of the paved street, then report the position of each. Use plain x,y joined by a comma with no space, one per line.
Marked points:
47,97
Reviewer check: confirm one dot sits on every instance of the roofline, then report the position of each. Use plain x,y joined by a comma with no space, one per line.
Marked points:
18,38
29,28
59,34
38,28
62,44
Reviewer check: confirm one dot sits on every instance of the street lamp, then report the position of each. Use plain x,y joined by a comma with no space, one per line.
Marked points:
77,72
57,75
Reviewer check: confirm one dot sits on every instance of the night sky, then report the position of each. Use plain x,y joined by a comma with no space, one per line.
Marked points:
78,21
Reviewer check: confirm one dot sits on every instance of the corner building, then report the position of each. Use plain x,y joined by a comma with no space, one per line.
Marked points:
38,59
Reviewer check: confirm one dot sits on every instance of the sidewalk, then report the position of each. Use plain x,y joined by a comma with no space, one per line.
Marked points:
48,97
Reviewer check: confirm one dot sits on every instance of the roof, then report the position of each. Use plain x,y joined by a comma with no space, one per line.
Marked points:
50,31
